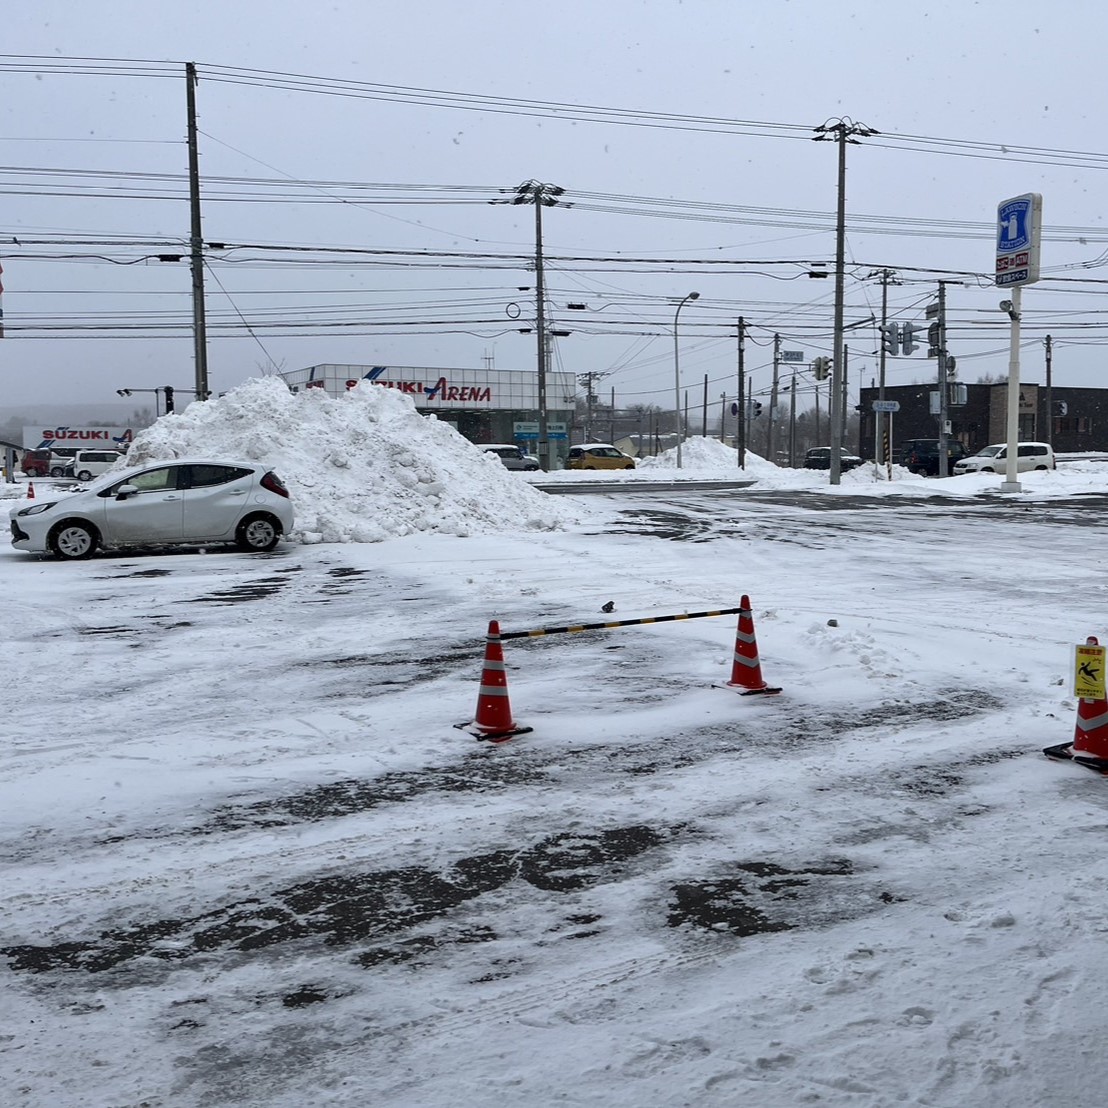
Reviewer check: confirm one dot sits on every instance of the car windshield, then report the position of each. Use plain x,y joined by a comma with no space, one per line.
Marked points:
989,451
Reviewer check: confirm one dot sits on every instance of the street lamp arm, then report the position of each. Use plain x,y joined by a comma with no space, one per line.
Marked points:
677,372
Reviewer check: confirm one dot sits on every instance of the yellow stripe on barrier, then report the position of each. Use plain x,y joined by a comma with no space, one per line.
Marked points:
575,629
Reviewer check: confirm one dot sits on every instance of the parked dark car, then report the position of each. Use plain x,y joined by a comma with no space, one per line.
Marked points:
922,456
36,463
819,457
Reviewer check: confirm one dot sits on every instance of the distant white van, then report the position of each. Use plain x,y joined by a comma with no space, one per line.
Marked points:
88,464
994,459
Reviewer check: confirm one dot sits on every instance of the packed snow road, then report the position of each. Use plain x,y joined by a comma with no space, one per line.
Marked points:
250,860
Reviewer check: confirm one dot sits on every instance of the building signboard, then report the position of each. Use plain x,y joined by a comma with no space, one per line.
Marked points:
1018,231
77,438
443,389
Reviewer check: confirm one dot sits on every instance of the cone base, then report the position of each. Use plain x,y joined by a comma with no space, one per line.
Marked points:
1064,752
483,735
765,690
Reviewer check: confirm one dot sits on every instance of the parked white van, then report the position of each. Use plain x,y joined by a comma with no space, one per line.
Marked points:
994,459
88,464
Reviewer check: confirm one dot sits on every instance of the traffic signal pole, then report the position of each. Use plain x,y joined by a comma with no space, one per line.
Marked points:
944,388
879,440
771,442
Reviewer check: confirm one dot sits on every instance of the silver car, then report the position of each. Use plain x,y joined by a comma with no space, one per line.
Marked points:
511,455
188,500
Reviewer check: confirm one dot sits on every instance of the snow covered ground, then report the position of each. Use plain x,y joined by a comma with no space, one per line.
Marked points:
249,860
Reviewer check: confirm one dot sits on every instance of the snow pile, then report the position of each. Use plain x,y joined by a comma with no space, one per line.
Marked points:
363,468
701,454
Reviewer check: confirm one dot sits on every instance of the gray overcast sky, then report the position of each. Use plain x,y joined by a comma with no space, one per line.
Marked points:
937,79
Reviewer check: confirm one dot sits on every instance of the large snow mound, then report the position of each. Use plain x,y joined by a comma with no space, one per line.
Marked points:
363,468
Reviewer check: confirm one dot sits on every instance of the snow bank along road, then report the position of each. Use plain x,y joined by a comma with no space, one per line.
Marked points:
249,859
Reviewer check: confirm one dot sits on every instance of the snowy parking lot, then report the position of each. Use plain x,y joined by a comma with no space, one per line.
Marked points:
249,859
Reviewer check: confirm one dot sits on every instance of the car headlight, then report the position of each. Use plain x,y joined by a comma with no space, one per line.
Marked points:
35,509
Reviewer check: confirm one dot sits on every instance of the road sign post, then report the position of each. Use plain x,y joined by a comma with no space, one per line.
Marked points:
1018,227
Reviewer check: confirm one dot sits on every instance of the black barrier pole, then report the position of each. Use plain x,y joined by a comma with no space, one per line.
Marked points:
619,623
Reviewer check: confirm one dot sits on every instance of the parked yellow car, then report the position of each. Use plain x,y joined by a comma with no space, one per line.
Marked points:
598,455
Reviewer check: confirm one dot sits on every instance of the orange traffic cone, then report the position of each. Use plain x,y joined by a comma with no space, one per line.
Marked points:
493,721
746,671
30,490
1090,735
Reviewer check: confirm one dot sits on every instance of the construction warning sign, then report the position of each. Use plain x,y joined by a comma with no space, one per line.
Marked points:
1088,671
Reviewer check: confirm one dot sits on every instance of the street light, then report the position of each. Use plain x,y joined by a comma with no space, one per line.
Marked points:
677,372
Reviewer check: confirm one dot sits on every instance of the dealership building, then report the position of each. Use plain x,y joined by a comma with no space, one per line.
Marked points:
484,405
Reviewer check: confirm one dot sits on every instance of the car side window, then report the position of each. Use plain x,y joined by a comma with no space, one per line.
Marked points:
153,480
204,476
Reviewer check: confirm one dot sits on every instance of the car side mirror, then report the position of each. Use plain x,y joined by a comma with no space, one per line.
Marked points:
125,491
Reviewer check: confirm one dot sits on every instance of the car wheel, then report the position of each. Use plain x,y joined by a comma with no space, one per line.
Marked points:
589,467
987,469
629,467
84,475
258,534
921,472
73,540
57,471
1041,467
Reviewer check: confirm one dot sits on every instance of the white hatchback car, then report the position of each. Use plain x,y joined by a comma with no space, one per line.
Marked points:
994,459
188,500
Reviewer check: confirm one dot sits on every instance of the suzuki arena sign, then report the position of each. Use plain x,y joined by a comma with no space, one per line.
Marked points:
442,389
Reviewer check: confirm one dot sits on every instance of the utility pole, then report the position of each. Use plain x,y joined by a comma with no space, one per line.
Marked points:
843,405
944,388
196,242
1049,394
771,442
588,380
842,132
542,196
740,440
792,423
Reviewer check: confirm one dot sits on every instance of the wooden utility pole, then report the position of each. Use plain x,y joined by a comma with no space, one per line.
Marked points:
196,242
842,132
541,195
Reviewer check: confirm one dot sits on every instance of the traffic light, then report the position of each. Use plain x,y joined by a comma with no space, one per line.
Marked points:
821,368
908,338
1061,408
890,338
168,390
756,408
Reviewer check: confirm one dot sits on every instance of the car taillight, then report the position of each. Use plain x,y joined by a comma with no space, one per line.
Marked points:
274,484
